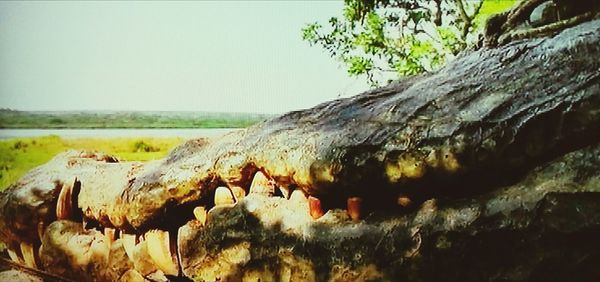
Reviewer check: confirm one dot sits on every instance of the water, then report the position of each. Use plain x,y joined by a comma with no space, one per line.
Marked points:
186,133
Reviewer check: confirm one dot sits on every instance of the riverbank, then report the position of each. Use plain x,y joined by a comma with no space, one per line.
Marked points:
104,133
19,155
125,119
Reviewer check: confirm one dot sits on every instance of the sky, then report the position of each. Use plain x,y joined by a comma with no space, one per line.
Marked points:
220,56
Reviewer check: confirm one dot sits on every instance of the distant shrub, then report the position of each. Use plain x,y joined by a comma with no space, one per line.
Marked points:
141,146
56,121
20,145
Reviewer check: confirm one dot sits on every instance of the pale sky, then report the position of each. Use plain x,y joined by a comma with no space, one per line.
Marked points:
225,56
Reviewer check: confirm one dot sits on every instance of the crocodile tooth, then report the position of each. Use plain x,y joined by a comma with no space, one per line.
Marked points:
111,234
238,192
223,196
64,204
355,208
158,247
315,207
14,256
403,201
200,214
285,191
262,185
132,275
128,244
28,254
298,195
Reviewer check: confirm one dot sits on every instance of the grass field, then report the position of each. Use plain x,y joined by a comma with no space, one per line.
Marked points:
125,119
19,155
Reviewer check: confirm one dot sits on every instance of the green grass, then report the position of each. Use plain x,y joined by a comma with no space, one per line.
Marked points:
19,155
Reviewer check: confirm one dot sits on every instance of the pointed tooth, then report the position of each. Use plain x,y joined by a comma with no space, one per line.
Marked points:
403,201
200,215
128,244
223,196
315,207
285,191
111,234
64,204
238,193
262,185
355,208
14,256
159,249
298,195
28,254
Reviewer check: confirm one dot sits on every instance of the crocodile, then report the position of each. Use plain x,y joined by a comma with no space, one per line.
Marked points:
375,180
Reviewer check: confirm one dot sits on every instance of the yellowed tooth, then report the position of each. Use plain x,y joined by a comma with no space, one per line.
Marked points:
238,192
132,275
355,208
262,185
28,254
315,207
64,204
158,248
298,195
200,214
111,234
223,196
403,201
14,256
128,244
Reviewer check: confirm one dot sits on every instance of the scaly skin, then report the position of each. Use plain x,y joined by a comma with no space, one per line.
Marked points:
473,121
485,118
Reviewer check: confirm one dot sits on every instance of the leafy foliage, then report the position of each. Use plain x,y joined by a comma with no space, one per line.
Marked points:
384,39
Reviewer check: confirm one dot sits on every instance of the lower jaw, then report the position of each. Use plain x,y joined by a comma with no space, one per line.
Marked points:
550,216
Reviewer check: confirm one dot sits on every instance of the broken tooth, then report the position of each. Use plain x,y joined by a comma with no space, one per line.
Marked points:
238,192
14,256
355,208
200,215
315,207
262,185
223,196
158,247
64,204
28,254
